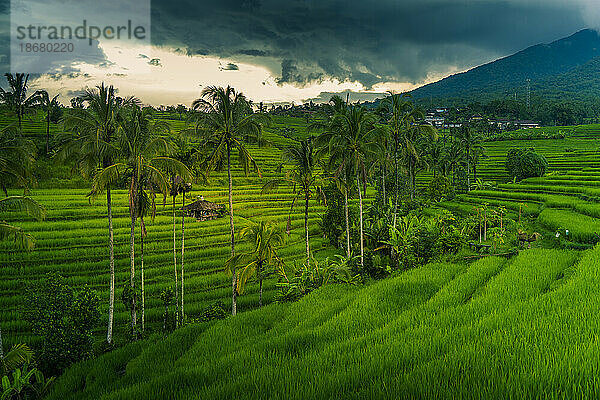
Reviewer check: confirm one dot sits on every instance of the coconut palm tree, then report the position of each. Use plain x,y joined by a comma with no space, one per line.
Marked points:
18,236
352,143
399,110
142,151
16,96
187,152
16,157
264,237
471,143
415,137
303,177
226,118
89,143
48,105
340,174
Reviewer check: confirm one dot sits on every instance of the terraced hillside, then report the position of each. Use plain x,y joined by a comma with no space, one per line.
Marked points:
494,329
73,240
567,198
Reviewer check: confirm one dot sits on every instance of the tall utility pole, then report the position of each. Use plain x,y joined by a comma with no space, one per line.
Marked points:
528,91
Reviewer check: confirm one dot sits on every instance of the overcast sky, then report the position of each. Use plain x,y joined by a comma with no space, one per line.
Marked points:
294,50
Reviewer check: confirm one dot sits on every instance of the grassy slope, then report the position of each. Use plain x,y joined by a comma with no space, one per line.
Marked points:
73,240
523,328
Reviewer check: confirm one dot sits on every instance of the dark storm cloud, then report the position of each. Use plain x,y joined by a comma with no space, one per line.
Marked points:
368,41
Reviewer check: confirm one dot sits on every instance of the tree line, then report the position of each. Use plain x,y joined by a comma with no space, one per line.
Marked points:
114,142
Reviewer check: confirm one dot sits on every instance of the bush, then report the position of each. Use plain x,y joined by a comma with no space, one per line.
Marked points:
450,241
319,273
64,320
440,188
333,221
525,163
214,311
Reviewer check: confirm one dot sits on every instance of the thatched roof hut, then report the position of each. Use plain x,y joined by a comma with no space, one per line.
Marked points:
203,210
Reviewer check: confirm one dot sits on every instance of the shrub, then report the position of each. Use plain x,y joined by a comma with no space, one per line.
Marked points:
333,221
64,320
450,241
215,311
525,163
310,277
440,188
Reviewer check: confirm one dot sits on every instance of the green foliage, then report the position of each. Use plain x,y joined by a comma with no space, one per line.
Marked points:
495,318
63,319
18,355
333,222
319,273
22,387
451,240
215,311
525,163
440,188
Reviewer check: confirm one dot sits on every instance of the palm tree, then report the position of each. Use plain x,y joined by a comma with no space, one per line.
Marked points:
351,141
400,111
20,238
89,143
142,151
186,152
16,156
16,97
471,143
340,174
226,117
265,238
175,189
436,158
48,105
303,177
415,136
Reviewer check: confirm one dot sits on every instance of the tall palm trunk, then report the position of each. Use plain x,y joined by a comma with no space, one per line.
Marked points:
260,290
175,265
111,252
306,228
360,212
347,223
48,132
411,177
395,181
468,170
142,272
232,227
132,259
1,348
182,252
383,181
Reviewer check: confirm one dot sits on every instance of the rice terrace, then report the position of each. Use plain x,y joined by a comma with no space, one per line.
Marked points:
254,205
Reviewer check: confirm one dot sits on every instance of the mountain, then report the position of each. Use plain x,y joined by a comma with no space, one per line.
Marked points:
554,68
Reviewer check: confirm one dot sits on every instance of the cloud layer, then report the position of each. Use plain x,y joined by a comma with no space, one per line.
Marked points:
303,41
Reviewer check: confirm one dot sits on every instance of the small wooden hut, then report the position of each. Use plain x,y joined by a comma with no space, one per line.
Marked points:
203,210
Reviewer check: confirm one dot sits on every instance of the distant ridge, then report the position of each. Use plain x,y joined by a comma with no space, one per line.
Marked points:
569,65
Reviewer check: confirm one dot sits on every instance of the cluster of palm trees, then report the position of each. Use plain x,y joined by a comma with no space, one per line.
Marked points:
113,141
16,98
